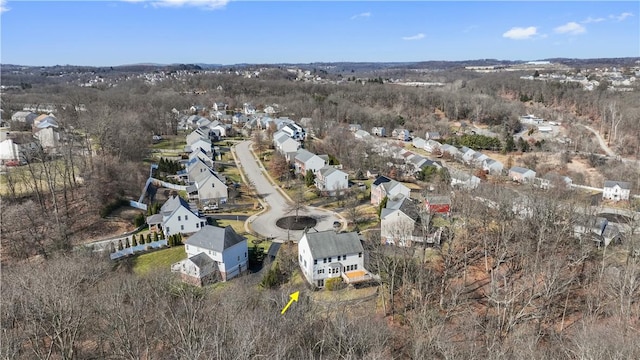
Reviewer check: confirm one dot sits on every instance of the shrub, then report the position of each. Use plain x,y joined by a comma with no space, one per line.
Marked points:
139,220
334,284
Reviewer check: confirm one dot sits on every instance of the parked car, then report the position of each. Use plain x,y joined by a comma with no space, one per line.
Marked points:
210,207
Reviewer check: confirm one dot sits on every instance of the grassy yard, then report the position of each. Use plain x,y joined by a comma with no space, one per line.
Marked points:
177,143
238,226
161,259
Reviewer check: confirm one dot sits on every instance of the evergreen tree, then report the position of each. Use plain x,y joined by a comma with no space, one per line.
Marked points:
155,236
134,240
309,178
120,246
127,244
382,205
148,238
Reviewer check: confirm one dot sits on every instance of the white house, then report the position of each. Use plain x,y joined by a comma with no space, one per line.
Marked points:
432,146
379,131
284,143
197,134
204,144
326,254
175,217
463,179
213,253
491,166
294,131
403,224
616,190
331,180
209,187
306,160
401,134
418,142
384,186
521,174
552,179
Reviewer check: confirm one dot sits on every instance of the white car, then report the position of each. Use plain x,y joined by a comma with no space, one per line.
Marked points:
210,207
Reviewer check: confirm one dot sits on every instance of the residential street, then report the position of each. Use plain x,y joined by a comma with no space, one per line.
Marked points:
265,222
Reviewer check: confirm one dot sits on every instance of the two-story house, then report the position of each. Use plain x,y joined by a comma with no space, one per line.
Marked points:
404,222
326,254
175,217
213,253
331,181
208,187
384,186
616,190
284,143
521,175
306,160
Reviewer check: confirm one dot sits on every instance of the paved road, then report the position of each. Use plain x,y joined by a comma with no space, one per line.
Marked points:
265,223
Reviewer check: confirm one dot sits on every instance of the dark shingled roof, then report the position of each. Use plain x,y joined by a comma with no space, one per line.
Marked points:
201,260
329,243
215,238
623,184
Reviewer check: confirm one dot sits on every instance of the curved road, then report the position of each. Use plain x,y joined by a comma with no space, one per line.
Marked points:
264,223
601,141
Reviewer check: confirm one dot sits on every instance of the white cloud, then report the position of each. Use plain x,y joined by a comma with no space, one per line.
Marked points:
572,28
3,6
621,17
520,33
362,15
414,37
590,20
205,4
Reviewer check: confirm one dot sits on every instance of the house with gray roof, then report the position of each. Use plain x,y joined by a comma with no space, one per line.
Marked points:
521,175
432,146
385,187
404,222
616,190
26,117
213,253
463,179
283,143
324,255
331,181
176,217
306,160
492,167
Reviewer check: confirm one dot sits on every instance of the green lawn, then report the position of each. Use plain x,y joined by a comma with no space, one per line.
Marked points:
161,259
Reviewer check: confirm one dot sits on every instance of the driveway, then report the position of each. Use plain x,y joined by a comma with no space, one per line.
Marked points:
265,223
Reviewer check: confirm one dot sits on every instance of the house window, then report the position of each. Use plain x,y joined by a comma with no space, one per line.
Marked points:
197,225
355,267
179,218
168,230
300,257
321,282
329,259
344,257
325,260
181,227
359,254
238,257
315,262
186,217
245,254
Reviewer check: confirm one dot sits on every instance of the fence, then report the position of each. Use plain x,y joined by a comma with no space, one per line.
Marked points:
138,248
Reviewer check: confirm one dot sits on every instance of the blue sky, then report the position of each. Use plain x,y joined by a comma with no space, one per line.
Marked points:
104,33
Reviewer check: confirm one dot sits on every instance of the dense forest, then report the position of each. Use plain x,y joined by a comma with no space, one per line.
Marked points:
501,286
